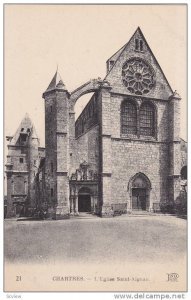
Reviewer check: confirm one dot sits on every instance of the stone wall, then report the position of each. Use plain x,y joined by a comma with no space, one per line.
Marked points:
132,157
184,157
51,145
86,148
33,163
88,117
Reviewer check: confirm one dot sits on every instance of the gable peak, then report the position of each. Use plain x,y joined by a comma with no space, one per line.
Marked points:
136,53
26,121
138,30
138,33
27,127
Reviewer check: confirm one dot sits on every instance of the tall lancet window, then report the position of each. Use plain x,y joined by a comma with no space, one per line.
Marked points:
147,119
128,117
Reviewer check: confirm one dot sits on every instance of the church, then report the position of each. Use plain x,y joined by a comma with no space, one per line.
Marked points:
122,154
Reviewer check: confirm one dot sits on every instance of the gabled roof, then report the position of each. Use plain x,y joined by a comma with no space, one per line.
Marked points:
120,52
116,54
26,127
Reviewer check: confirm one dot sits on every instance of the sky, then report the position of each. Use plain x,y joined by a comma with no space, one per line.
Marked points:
79,39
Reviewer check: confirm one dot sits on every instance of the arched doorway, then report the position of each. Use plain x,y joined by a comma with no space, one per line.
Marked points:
84,200
140,187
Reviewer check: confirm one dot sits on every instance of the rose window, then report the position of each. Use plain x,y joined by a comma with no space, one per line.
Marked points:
138,76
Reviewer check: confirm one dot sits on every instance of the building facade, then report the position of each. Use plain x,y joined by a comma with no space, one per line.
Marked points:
123,152
24,156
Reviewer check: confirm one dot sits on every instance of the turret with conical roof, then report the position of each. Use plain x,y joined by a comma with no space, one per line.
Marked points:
56,99
56,84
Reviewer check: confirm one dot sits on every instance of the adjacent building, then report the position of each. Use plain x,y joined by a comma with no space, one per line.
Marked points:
24,156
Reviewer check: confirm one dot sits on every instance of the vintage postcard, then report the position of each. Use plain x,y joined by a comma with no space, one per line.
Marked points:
95,195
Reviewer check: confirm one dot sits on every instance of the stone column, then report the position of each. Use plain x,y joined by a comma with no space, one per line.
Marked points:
95,204
151,198
76,204
174,147
106,172
25,183
129,200
72,205
10,191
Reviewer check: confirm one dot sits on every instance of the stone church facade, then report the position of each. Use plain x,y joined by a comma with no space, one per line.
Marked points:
123,152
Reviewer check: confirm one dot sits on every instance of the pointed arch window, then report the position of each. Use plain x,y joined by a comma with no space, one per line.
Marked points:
128,117
147,119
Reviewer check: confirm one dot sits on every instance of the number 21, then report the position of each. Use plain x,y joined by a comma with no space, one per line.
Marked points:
18,278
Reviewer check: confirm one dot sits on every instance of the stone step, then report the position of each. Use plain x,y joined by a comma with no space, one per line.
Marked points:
83,215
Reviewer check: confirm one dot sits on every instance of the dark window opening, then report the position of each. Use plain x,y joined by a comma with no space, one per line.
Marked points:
147,120
141,45
23,138
136,44
22,129
51,108
22,150
51,192
145,125
28,129
111,63
51,167
21,160
183,173
128,118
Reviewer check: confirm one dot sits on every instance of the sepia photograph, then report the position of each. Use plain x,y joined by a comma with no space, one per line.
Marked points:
95,148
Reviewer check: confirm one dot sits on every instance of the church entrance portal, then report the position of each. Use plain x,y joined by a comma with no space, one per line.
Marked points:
140,187
139,200
85,200
84,203
84,190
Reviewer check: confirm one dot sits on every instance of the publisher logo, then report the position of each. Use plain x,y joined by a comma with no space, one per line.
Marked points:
172,277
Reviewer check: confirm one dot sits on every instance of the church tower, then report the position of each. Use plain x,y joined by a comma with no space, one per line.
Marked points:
57,147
